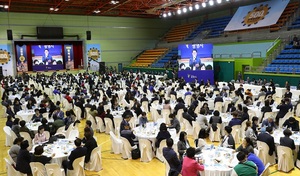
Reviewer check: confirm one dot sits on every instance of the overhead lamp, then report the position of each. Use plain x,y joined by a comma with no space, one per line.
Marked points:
6,6
211,2
179,11
191,8
164,15
203,4
51,8
56,9
197,6
219,1
169,14
1,6
97,11
114,2
184,9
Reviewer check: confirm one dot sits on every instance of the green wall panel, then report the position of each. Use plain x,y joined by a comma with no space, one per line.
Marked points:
224,70
277,78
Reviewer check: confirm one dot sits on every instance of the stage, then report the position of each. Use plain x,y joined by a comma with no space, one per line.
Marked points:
50,72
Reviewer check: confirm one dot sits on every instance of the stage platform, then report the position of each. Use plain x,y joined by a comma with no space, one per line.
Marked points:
50,72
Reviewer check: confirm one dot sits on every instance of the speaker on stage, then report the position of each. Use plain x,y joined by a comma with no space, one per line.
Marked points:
88,35
9,34
101,67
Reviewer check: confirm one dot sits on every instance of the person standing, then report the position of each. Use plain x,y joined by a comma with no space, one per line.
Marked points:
172,159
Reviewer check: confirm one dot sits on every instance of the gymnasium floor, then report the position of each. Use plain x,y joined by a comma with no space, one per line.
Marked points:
114,165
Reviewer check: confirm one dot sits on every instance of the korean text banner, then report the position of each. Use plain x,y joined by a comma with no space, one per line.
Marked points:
21,58
257,15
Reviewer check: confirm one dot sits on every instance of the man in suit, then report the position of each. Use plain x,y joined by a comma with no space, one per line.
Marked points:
90,143
187,116
286,140
172,159
76,153
288,94
195,62
218,99
47,58
268,139
284,107
292,123
144,98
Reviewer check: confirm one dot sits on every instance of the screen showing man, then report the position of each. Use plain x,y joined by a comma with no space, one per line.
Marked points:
47,57
196,62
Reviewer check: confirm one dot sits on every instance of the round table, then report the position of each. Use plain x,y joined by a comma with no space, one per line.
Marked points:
218,161
26,114
33,126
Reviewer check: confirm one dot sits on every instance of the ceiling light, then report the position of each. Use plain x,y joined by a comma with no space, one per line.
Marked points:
56,9
97,11
197,6
191,8
184,9
179,11
1,6
164,15
211,2
203,4
6,6
227,0
51,8
114,2
219,1
169,14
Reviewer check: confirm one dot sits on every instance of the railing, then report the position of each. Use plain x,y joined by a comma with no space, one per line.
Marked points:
255,54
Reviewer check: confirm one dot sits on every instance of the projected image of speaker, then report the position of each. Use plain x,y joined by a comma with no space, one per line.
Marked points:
9,34
101,67
88,35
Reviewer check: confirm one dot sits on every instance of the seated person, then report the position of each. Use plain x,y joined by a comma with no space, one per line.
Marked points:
126,132
235,120
23,128
245,167
215,120
286,140
246,144
23,159
37,117
268,139
38,157
143,119
14,150
162,134
228,140
40,136
268,123
174,122
78,152
90,143
190,167
187,116
292,123
255,159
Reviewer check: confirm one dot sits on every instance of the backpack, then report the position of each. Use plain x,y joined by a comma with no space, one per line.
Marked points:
136,154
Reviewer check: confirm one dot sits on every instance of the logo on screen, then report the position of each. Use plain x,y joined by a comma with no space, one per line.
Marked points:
94,53
256,15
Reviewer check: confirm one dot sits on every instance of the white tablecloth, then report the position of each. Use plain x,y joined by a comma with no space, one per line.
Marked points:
33,126
218,161
278,133
26,114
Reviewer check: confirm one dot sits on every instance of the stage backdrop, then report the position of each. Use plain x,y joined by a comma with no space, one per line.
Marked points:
257,15
196,62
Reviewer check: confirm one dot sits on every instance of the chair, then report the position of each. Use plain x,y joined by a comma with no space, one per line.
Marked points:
263,153
126,148
219,106
298,163
117,122
108,125
196,129
11,171
116,144
146,150
47,134
159,153
167,167
73,135
266,172
8,133
243,127
54,169
95,163
100,125
27,137
165,115
61,130
236,130
154,114
201,142
297,110
38,169
188,100
285,161
172,97
282,120
10,158
179,115
145,106
188,127
215,135
77,112
78,169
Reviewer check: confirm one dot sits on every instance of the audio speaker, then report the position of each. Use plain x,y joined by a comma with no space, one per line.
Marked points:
1,73
101,67
9,34
88,35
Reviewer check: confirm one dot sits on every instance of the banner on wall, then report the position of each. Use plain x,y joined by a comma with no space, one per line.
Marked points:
93,52
257,15
69,56
21,58
4,56
6,61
